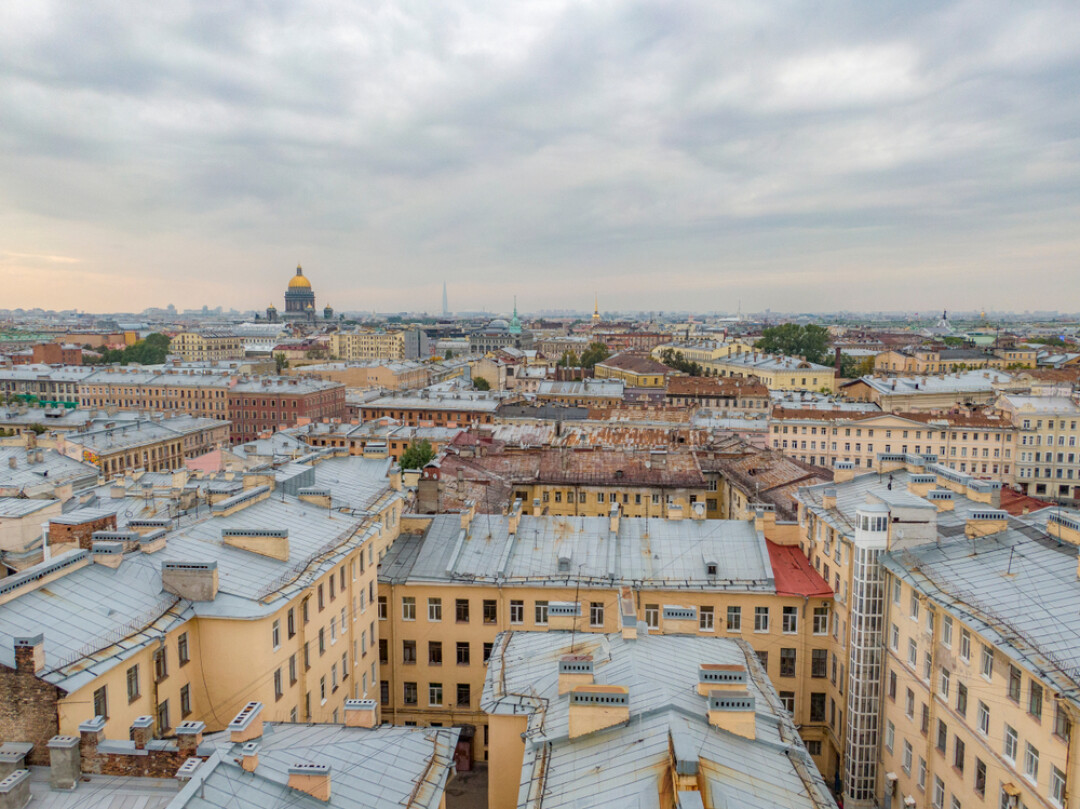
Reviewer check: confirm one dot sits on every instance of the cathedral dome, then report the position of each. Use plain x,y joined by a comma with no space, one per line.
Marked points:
299,281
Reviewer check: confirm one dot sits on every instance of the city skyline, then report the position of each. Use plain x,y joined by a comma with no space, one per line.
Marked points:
796,159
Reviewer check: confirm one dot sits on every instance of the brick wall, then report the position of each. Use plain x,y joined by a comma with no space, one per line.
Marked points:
81,533
28,711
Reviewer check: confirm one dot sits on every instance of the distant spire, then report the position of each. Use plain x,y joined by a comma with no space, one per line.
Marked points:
445,306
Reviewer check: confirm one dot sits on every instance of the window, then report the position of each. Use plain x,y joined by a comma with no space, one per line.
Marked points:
163,717
980,776
434,609
909,704
384,692
517,612
487,651
790,620
461,610
946,630
101,702
292,669
1031,762
382,608
938,800
409,693
965,644
912,652
322,604
408,608
434,693
322,641
1014,683
408,651
763,658
1010,744
819,659
894,637
821,620
275,635
1062,726
908,754
892,685
987,665
182,652
652,616
596,613
185,701
541,613
913,611
133,683
279,688
490,611
943,684
1057,786
890,735
787,662
464,695
922,773
161,664
1035,699
958,753
290,622
817,707
734,619
961,699
942,735
434,653
787,698
705,619
761,619
463,653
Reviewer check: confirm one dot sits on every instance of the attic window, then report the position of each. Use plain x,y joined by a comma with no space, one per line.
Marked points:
710,568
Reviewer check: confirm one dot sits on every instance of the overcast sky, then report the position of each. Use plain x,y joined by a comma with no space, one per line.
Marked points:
798,156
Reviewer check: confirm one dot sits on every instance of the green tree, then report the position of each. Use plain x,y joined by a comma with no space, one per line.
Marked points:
481,384
791,339
569,359
596,352
151,351
449,354
280,362
675,359
417,456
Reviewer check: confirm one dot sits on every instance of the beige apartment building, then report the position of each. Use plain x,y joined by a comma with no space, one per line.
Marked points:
972,701
210,346
920,361
388,374
451,583
251,600
978,444
1048,460
368,345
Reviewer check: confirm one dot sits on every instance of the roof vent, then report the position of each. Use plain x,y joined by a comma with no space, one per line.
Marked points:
247,724
314,779
361,713
733,711
714,677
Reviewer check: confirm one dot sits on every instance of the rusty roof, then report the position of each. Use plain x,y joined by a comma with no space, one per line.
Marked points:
770,477
635,363
716,386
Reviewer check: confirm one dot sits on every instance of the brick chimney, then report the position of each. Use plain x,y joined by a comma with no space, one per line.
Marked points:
65,763
189,736
613,518
247,724
595,707
361,713
574,670
15,790
30,654
91,734
732,711
314,779
249,756
142,731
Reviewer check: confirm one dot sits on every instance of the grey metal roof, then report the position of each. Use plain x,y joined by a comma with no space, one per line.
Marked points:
102,792
16,507
624,766
54,468
369,768
652,553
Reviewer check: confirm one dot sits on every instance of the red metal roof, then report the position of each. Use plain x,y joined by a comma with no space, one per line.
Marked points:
1017,503
793,574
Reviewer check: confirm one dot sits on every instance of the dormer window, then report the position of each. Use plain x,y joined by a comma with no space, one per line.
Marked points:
710,568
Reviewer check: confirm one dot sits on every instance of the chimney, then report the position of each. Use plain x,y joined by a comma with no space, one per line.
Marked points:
142,731
12,463
189,736
942,499
627,614
30,654
515,518
674,512
187,770
195,581
843,471
13,758
15,790
732,711
537,511
574,670
721,677
361,713
314,779
249,756
828,497
468,513
110,554
247,724
91,734
65,763
921,484
595,707
986,522
613,518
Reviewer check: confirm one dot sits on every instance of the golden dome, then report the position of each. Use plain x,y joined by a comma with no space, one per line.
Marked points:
299,281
